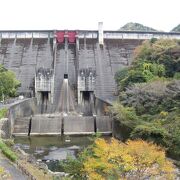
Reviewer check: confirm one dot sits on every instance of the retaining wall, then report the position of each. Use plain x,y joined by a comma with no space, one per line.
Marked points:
19,110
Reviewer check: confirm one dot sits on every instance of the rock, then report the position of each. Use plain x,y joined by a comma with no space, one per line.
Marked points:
43,166
53,148
22,152
74,148
59,154
32,159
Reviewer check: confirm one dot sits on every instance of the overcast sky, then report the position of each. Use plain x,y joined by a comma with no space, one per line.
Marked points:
85,14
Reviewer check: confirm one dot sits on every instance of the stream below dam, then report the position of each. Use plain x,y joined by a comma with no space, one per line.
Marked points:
52,149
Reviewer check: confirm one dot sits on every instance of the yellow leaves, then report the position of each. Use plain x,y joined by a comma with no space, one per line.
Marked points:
163,114
1,170
95,176
146,66
116,159
163,45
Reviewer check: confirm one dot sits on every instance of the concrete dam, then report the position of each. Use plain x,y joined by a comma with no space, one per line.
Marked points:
71,75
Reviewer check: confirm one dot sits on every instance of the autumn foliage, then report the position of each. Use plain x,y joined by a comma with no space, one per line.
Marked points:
133,160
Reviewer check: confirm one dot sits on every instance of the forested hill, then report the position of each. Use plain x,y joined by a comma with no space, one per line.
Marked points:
136,27
176,29
149,91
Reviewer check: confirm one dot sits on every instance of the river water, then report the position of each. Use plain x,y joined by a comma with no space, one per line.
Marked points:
52,149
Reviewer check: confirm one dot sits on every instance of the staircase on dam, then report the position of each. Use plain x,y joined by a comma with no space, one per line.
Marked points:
106,61
21,126
105,83
110,58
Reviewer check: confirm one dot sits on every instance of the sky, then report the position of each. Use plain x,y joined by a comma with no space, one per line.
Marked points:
85,14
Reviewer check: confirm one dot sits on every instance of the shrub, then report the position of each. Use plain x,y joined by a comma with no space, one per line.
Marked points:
3,113
151,132
126,115
177,75
7,151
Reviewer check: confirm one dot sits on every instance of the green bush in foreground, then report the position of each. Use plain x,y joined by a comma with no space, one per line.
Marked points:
3,113
7,151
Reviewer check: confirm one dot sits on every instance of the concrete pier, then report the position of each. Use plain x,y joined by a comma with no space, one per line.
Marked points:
78,125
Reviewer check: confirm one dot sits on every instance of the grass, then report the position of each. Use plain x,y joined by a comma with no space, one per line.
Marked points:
3,113
7,151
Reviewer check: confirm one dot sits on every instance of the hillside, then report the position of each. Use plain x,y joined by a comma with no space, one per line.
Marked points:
136,27
149,103
176,29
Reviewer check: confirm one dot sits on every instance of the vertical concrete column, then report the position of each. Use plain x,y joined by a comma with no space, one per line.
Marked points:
15,39
31,40
0,38
54,49
77,56
51,95
77,66
100,33
53,66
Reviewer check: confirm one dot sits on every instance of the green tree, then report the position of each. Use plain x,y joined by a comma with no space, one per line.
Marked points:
8,83
151,87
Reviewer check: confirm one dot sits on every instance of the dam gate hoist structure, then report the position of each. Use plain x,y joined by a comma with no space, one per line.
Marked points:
71,74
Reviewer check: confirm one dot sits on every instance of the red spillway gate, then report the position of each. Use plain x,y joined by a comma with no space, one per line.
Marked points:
60,37
71,35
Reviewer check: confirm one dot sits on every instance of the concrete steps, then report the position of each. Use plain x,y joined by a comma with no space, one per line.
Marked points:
21,126
105,83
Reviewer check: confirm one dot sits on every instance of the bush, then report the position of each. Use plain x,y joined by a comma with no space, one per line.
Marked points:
9,142
7,151
151,132
153,97
177,75
3,113
126,115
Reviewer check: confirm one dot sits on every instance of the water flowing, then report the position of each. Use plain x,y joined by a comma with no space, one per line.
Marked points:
66,102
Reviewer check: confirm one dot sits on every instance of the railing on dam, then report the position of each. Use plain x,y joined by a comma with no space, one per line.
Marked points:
89,34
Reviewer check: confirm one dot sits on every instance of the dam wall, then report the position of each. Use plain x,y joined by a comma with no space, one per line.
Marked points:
23,56
115,55
24,52
68,71
21,110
